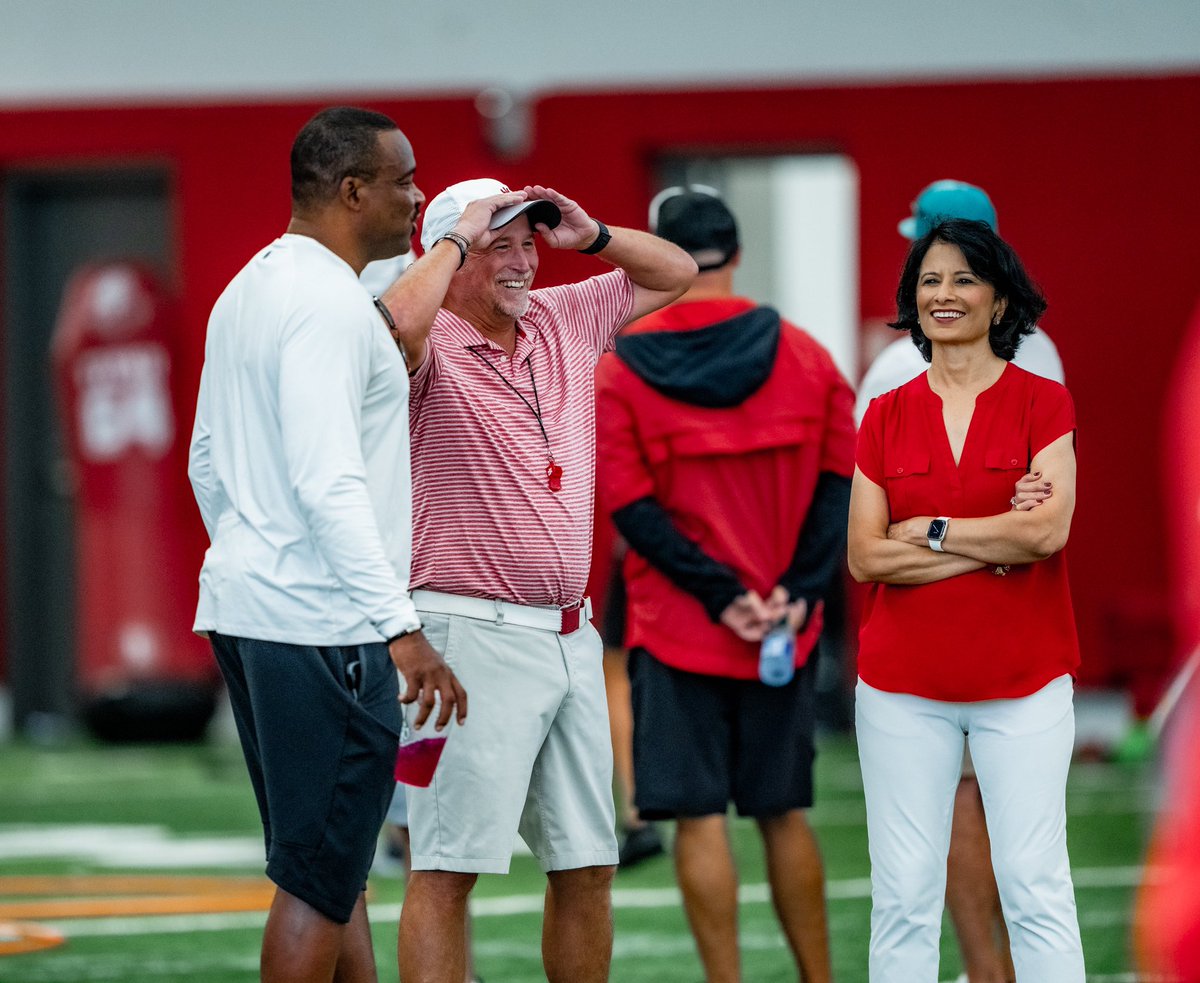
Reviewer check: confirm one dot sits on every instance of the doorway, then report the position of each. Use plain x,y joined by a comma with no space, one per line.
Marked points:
54,221
797,218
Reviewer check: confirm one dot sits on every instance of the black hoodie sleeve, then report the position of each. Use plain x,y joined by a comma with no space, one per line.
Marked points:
822,543
648,529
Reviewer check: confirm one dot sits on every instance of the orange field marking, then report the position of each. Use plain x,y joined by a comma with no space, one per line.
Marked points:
24,898
92,897
26,937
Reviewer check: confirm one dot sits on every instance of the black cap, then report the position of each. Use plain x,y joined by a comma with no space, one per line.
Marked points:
697,221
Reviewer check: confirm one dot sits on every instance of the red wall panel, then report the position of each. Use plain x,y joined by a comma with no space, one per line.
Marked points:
1094,180
1094,183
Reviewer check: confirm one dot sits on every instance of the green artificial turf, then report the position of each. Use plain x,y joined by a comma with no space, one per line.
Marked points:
202,792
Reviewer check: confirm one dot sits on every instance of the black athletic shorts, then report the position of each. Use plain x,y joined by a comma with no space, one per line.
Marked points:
319,728
701,742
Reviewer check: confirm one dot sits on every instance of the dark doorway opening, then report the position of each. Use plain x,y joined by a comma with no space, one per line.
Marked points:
54,221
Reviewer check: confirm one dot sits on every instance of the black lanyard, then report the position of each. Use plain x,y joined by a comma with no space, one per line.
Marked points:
553,471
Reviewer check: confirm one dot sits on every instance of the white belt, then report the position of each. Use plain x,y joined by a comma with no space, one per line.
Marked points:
560,620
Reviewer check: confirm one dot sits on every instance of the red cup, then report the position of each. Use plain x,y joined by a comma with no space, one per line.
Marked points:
420,749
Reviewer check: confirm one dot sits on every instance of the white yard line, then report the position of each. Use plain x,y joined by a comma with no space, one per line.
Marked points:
516,904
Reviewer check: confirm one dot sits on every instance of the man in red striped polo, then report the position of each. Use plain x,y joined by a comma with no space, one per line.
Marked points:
504,456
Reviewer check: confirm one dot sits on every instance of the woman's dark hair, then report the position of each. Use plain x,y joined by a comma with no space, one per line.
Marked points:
336,143
995,263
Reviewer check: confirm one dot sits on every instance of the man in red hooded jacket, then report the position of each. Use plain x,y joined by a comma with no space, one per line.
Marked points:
727,438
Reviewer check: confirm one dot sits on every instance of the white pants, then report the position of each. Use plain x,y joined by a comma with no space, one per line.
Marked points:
910,750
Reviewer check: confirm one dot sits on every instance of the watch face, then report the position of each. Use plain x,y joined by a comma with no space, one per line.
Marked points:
937,530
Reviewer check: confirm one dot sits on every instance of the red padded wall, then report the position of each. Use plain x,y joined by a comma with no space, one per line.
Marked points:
1094,183
1094,180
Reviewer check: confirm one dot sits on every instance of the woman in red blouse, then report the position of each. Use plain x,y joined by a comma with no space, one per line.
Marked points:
967,628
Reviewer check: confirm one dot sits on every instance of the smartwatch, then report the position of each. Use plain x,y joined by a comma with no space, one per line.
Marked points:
602,239
937,532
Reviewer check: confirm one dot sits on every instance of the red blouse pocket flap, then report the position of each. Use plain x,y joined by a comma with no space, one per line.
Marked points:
1006,459
906,463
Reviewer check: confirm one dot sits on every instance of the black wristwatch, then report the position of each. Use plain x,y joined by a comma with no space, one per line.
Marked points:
404,634
601,240
937,532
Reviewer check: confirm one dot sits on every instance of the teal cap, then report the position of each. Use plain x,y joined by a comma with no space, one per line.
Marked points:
947,199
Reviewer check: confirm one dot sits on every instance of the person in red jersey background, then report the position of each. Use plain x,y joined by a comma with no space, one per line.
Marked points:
727,440
1168,917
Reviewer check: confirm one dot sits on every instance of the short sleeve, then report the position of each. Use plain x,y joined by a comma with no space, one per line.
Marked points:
1052,415
422,380
593,310
869,455
897,364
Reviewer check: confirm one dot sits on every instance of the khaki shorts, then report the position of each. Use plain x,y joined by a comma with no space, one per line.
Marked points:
534,756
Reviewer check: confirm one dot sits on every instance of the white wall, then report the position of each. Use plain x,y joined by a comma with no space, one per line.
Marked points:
797,219
54,51
815,251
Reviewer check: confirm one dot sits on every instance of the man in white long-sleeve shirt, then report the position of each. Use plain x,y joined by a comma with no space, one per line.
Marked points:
300,465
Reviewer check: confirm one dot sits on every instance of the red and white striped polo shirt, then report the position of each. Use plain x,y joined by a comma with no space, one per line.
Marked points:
485,521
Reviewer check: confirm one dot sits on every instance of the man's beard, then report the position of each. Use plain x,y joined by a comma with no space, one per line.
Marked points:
513,308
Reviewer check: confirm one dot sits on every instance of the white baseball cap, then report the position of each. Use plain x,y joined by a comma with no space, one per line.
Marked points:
443,213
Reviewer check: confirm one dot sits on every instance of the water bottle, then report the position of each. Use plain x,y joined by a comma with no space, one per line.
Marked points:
777,657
